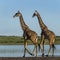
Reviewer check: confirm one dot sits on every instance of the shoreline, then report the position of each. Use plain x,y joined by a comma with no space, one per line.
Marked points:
30,58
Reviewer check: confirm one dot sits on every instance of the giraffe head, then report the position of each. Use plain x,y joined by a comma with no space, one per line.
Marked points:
35,13
17,14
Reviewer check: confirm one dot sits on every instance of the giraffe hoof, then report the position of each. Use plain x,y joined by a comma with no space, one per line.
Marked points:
23,56
32,54
36,56
46,55
52,55
42,55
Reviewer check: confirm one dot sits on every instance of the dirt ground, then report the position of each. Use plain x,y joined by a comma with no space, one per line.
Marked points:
30,58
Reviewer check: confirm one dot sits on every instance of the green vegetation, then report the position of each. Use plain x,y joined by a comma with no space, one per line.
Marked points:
10,40
16,40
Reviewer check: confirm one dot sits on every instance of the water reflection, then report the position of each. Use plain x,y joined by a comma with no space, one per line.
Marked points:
18,50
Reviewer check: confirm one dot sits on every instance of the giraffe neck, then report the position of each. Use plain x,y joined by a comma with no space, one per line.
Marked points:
23,25
42,25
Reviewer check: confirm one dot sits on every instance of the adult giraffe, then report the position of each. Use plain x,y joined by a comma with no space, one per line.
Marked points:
45,34
28,34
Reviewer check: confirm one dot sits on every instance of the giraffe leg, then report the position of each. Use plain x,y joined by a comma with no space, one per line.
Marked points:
36,50
53,47
43,49
49,50
26,50
25,44
42,44
52,51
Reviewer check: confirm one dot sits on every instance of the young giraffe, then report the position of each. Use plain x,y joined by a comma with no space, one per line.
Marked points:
27,34
45,34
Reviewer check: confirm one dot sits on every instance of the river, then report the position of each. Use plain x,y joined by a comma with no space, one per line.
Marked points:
18,50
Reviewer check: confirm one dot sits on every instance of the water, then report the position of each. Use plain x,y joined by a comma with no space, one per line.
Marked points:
18,50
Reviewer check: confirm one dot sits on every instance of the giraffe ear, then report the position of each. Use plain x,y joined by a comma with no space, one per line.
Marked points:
18,11
35,10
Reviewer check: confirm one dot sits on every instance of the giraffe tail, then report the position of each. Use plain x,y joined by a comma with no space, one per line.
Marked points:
53,46
39,47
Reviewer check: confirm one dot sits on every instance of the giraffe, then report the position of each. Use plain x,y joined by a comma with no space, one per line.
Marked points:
28,34
45,34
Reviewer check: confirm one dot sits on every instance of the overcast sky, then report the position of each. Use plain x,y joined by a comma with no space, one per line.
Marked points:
48,9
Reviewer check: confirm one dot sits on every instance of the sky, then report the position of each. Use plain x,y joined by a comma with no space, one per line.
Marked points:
48,9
